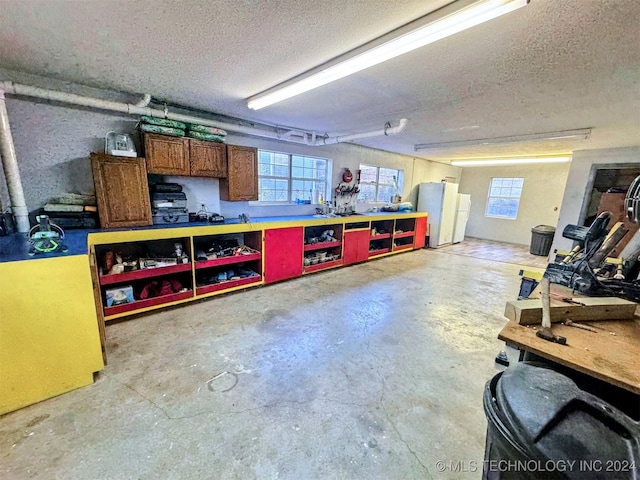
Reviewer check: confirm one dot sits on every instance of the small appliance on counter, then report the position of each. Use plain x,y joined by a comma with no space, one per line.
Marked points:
169,204
119,145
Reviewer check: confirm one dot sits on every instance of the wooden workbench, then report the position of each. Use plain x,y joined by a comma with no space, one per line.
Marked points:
614,359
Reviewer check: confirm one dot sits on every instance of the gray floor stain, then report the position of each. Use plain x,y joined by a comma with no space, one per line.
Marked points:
374,371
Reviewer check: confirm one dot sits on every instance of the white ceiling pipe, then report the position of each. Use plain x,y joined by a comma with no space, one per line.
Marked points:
357,136
138,109
11,171
27,91
146,99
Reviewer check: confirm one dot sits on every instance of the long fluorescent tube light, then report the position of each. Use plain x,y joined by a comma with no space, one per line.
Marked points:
582,134
508,161
451,24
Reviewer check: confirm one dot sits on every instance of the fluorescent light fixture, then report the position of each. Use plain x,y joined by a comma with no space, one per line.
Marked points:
580,134
445,26
487,162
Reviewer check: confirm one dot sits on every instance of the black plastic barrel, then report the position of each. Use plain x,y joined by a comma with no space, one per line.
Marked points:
542,425
541,239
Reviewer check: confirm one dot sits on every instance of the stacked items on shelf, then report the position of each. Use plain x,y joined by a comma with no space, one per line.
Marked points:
117,262
380,239
135,272
236,273
72,210
220,271
162,126
321,255
209,134
179,129
169,204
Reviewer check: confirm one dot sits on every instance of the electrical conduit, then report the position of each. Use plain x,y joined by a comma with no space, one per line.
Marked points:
11,170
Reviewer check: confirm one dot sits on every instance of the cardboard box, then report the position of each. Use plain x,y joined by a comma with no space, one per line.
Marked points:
119,295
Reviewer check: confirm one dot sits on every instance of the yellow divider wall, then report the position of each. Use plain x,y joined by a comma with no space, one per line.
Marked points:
49,339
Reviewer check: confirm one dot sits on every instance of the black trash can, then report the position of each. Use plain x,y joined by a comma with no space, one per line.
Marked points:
541,425
541,239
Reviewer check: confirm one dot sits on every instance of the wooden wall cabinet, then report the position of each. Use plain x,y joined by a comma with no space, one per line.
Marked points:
122,191
242,174
185,157
167,155
207,159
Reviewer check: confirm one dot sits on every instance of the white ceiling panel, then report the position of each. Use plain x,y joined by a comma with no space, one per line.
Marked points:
552,65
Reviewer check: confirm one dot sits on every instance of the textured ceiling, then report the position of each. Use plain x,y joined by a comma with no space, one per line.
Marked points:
552,65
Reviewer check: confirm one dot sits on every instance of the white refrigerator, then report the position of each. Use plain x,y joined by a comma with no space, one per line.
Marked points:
439,199
463,209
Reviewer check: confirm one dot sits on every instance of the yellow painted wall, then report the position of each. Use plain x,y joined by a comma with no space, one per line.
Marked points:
49,338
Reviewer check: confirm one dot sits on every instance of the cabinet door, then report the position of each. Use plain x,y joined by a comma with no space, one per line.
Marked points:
122,191
166,155
420,232
356,246
242,174
283,251
207,159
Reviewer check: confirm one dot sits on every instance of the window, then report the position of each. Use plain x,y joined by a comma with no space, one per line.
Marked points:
378,184
504,197
290,178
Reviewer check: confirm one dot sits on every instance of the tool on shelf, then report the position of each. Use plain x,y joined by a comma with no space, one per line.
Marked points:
46,237
546,333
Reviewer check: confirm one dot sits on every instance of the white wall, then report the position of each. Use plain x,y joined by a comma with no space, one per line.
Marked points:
579,183
53,143
541,198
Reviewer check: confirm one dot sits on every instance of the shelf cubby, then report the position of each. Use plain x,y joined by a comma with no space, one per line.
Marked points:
133,275
148,302
322,266
227,284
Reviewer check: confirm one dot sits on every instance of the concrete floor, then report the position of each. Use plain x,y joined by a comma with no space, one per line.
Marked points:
375,371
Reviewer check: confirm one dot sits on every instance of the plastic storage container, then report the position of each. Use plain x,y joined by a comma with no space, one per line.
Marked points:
541,239
541,425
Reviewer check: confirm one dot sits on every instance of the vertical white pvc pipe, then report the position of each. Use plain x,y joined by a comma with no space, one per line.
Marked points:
11,171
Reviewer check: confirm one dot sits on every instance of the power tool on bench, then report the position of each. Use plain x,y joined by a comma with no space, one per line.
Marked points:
46,237
588,270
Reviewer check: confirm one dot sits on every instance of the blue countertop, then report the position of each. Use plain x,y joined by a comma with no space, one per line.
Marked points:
16,247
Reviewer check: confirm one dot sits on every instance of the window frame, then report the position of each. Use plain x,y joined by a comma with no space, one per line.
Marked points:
290,178
507,197
399,176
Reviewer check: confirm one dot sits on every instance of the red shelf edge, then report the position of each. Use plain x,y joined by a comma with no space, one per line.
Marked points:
143,273
381,236
215,287
403,247
321,266
380,251
149,302
217,262
320,246
403,235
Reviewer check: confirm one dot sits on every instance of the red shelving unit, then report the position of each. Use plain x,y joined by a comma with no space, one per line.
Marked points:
218,262
380,251
322,266
149,302
143,273
320,246
215,287
403,235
